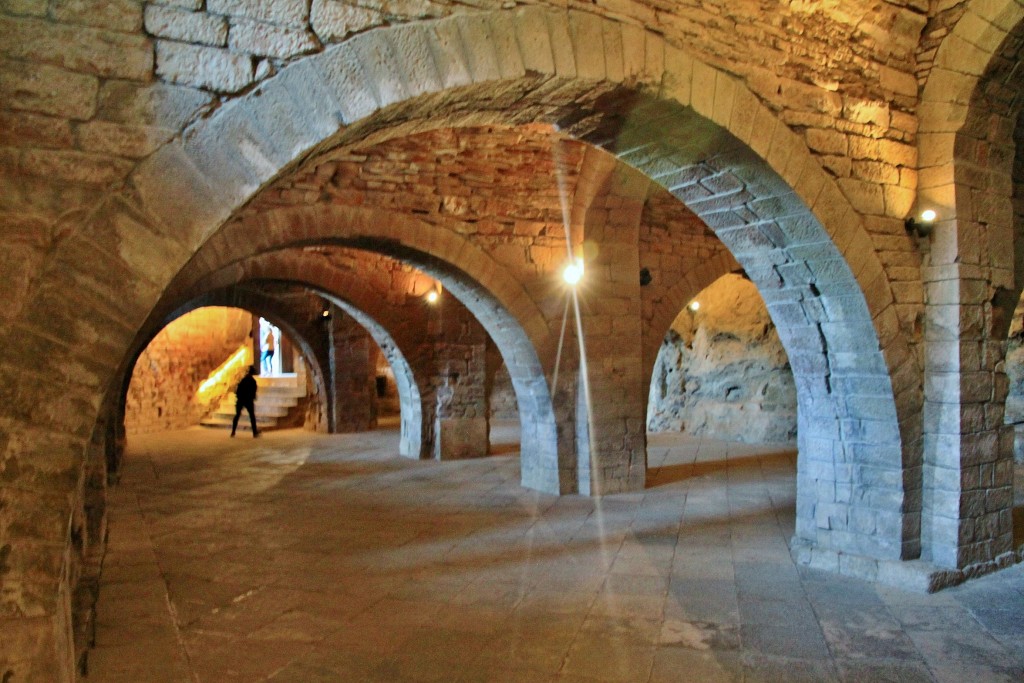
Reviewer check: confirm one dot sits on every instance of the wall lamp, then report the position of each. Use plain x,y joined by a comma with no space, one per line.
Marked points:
434,295
922,225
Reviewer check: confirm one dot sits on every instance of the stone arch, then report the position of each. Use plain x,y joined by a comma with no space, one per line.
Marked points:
689,124
228,297
411,441
353,294
499,302
967,148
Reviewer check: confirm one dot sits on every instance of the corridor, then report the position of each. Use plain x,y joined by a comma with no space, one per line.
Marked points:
306,558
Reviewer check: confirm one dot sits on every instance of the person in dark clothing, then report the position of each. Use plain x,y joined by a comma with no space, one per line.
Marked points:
245,397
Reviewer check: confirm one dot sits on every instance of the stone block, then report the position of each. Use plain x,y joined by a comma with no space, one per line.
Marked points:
678,79
21,129
380,67
151,104
115,15
587,35
457,438
506,47
203,67
294,13
134,142
531,31
477,42
85,50
418,60
29,650
48,90
268,40
826,141
188,27
335,20
866,197
349,83
174,190
74,166
28,8
294,112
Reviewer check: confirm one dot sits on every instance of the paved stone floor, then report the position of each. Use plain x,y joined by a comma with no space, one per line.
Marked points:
306,558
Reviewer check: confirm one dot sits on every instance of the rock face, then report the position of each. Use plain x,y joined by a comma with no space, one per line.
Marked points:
722,371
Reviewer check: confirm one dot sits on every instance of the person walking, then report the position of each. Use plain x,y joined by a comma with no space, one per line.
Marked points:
245,397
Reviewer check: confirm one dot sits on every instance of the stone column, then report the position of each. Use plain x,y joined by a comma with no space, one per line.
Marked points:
968,474
454,359
612,443
352,374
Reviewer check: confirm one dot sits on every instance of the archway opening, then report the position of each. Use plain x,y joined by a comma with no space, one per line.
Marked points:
187,374
722,424
722,372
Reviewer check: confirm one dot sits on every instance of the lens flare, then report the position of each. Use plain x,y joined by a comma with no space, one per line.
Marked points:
573,273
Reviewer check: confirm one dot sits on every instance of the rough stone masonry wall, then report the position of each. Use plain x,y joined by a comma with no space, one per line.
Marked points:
162,393
502,398
722,371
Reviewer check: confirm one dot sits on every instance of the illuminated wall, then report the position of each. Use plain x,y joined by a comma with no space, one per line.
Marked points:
168,374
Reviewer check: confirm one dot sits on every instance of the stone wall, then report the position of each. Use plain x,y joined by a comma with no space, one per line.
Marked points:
353,370
722,371
162,393
502,397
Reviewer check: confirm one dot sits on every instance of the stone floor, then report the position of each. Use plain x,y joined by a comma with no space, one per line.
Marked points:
305,558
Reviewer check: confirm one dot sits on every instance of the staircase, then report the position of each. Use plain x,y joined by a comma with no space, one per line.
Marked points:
276,396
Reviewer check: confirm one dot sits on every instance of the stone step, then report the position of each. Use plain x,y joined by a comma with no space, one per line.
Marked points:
276,396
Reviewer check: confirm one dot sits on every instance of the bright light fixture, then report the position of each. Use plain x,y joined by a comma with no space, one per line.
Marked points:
928,215
694,305
433,296
573,273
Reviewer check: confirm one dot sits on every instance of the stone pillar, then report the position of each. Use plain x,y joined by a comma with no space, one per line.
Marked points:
455,403
353,374
968,473
613,439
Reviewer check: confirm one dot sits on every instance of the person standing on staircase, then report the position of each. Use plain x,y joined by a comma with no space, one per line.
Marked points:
268,353
245,397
